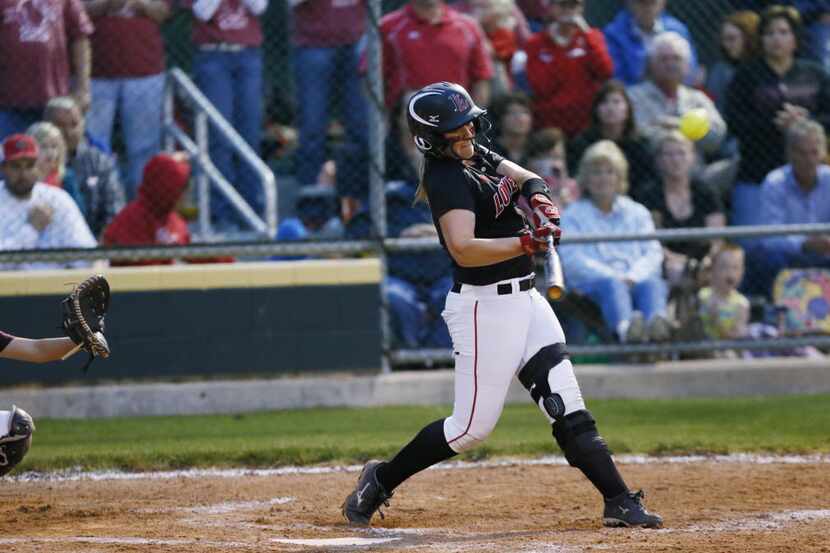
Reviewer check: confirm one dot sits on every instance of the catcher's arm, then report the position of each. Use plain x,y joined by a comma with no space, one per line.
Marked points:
40,350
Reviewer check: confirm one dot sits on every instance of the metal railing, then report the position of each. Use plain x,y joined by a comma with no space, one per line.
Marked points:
440,356
179,85
394,357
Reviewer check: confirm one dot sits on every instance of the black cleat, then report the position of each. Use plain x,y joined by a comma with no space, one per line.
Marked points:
627,510
367,497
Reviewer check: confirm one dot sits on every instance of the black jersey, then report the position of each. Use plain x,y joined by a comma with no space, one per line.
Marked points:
475,186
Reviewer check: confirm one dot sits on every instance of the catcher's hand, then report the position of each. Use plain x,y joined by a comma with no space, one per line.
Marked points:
83,315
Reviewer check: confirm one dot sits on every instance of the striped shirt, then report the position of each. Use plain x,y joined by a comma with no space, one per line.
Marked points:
67,229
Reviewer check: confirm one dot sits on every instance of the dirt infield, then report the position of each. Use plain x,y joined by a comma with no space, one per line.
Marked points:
709,506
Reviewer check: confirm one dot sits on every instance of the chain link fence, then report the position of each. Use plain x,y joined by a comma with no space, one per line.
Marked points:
316,89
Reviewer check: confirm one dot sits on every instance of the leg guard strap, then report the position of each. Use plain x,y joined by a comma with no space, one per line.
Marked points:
534,377
578,437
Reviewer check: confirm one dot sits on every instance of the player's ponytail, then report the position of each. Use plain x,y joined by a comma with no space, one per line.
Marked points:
421,191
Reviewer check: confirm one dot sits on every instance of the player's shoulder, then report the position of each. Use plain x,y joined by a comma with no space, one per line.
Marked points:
442,168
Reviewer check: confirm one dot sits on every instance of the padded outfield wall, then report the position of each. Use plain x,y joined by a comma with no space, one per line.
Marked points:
222,320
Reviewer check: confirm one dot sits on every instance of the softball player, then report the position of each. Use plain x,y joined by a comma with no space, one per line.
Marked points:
499,324
16,426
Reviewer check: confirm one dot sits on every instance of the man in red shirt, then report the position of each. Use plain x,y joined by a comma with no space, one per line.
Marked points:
567,62
36,38
227,65
326,39
426,41
128,77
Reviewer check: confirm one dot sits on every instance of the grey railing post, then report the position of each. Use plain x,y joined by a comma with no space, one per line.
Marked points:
377,163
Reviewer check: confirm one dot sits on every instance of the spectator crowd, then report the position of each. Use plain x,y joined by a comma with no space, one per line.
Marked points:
595,111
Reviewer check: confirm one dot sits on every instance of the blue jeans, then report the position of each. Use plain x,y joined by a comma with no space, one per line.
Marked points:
418,323
17,120
232,81
617,300
321,73
407,312
139,103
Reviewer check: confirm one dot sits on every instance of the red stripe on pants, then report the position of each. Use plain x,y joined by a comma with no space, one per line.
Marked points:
475,374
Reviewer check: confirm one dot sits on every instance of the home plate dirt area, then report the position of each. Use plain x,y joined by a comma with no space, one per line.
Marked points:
730,504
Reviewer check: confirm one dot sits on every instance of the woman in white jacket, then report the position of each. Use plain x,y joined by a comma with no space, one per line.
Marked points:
623,278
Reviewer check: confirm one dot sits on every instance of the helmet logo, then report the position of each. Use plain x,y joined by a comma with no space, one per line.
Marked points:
417,117
434,119
422,144
4,461
460,102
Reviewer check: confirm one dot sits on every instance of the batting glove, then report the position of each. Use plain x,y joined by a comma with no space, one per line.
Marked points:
536,240
545,214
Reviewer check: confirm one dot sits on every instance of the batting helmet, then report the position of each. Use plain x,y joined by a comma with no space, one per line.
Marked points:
437,109
16,427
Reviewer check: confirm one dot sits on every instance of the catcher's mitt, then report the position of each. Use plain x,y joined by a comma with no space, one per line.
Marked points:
83,315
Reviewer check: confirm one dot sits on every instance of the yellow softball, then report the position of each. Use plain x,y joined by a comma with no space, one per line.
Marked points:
694,124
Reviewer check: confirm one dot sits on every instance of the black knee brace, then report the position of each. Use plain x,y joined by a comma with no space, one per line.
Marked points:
578,438
534,377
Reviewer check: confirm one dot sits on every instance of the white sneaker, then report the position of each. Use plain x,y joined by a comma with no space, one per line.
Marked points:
636,333
660,329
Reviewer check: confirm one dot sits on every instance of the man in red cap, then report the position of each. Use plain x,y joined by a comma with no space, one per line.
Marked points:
34,215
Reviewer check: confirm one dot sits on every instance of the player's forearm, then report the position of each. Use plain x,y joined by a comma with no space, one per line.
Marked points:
516,172
157,10
479,252
37,351
81,63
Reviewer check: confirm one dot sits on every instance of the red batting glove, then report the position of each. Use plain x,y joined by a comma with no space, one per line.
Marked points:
545,215
536,240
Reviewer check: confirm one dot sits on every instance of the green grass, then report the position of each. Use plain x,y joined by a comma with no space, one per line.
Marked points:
796,424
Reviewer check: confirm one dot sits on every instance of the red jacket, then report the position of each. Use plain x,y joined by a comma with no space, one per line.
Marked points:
151,218
564,79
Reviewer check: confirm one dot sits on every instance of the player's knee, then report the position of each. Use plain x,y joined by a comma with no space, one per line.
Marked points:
465,436
549,378
578,437
16,427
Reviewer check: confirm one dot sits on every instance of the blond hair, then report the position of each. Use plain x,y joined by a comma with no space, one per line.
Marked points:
723,249
604,151
43,131
421,191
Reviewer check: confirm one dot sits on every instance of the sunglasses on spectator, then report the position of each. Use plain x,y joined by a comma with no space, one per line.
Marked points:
567,3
